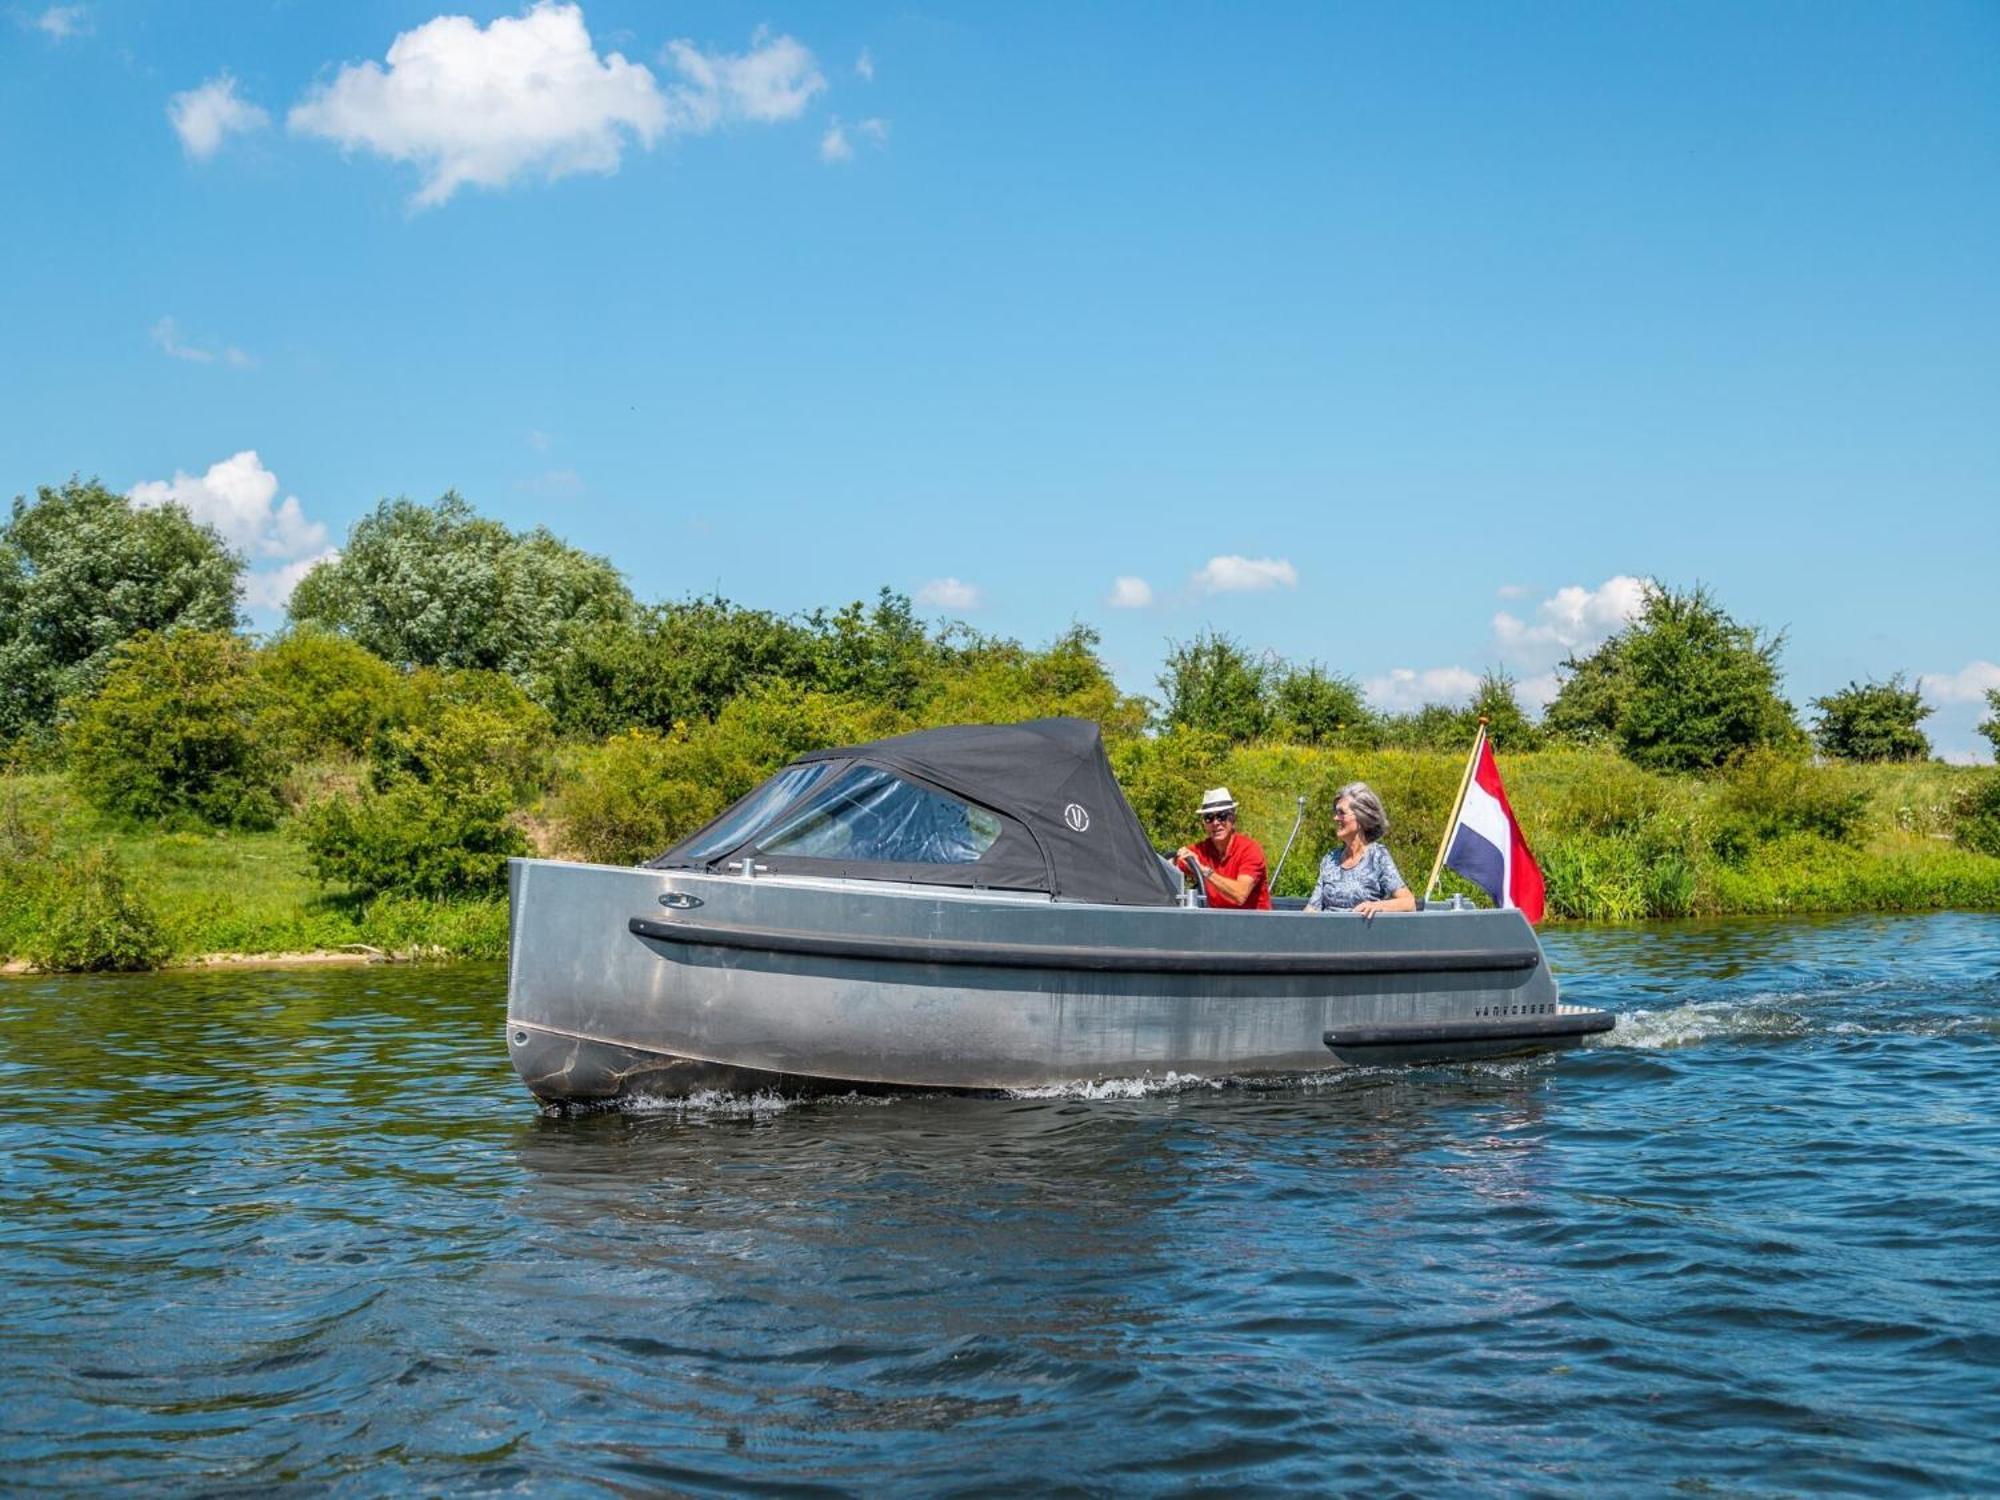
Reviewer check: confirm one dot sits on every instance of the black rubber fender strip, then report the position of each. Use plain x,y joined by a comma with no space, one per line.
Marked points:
1059,956
1569,1023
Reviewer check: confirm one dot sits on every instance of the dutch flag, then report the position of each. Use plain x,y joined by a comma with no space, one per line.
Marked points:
1486,843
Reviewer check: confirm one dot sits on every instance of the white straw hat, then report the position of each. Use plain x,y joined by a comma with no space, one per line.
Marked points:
1217,800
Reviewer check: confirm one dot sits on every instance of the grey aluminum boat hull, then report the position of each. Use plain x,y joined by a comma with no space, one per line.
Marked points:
640,982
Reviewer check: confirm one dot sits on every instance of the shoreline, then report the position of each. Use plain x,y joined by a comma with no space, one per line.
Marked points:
314,958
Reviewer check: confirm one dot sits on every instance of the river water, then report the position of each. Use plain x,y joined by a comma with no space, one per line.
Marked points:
303,1230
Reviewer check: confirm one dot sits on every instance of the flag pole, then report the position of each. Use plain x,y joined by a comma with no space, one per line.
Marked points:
1451,822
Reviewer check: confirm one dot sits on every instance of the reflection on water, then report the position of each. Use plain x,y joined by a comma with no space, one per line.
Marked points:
272,1230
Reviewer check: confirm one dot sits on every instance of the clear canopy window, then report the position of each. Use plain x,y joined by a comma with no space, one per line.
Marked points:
875,816
754,811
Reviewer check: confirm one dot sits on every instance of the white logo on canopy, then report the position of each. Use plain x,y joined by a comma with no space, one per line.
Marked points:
1076,817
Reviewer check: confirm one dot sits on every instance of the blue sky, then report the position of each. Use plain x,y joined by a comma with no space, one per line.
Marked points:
1400,338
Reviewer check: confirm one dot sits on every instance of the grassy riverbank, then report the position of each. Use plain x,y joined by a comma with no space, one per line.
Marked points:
208,892
1617,844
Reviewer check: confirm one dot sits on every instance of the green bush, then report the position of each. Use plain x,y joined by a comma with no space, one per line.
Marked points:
468,729
1872,721
1433,727
1768,795
1979,815
176,732
639,792
1507,723
94,920
630,798
1311,706
436,818
429,840
327,696
992,681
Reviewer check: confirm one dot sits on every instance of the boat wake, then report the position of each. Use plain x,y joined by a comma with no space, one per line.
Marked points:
722,1104
1787,1016
1698,1022
1149,1087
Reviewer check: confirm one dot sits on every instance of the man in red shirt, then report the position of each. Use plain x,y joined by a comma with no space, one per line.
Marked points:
1232,863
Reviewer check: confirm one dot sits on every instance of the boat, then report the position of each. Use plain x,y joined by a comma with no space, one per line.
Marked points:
976,908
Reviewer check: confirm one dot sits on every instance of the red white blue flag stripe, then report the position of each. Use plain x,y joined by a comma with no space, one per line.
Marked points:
1486,844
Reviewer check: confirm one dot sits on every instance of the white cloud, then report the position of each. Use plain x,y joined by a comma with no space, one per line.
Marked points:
207,116
530,96
1969,684
480,106
1570,621
1405,688
864,66
949,593
775,80
235,497
167,334
1511,591
837,146
1238,575
59,23
1130,593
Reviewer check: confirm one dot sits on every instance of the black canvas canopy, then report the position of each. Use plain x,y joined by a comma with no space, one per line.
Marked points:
1030,807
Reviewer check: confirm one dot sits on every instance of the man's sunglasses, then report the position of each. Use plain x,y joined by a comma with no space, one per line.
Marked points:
1221,817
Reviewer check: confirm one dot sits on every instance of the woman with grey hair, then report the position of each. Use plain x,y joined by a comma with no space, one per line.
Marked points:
1360,876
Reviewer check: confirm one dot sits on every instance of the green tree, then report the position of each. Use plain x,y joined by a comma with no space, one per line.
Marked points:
414,840
1311,706
1872,721
1507,723
1591,699
1213,685
82,571
441,586
1682,688
673,663
879,652
1435,726
1990,725
175,731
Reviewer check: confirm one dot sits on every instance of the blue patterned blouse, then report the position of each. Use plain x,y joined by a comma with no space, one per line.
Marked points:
1373,878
